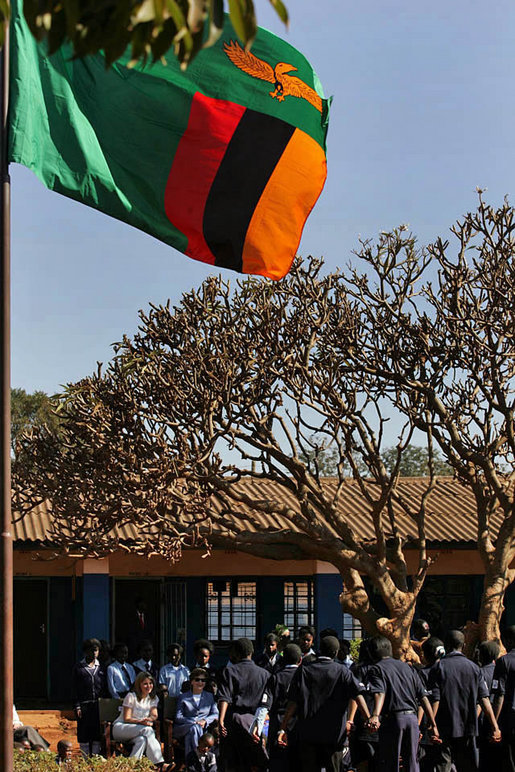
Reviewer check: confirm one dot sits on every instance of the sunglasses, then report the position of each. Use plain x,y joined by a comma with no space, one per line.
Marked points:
200,680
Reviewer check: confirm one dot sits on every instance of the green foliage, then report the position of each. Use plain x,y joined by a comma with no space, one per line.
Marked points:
354,648
45,762
28,410
414,461
150,27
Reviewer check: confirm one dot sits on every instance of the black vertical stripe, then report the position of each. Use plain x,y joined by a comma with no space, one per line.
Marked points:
250,158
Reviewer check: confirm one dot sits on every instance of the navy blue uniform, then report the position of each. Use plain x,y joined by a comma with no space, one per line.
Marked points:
489,753
88,684
458,685
398,734
242,686
267,663
275,700
363,742
503,684
321,691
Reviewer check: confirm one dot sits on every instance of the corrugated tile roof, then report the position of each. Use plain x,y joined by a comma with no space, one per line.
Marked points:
450,514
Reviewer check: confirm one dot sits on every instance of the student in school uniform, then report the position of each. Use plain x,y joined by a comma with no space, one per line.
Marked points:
120,674
203,651
274,703
203,758
489,753
306,641
269,657
503,687
362,742
398,692
319,694
196,710
145,663
432,650
173,674
88,684
239,694
457,687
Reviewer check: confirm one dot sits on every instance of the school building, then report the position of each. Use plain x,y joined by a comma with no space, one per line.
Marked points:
60,600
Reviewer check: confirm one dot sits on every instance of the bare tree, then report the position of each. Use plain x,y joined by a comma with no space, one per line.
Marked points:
445,353
211,398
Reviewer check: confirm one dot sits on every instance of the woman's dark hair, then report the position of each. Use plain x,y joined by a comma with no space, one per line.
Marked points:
271,638
143,677
203,643
306,629
90,643
197,672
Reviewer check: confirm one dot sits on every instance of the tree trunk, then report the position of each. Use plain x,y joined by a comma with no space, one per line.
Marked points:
354,600
492,602
397,628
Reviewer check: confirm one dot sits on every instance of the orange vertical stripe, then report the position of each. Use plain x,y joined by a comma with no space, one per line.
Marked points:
275,229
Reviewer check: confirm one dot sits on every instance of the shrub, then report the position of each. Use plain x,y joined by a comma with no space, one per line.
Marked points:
30,761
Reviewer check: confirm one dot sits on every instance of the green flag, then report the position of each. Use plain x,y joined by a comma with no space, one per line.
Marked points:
224,161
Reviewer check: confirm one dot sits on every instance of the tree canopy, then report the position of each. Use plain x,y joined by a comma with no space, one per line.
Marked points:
29,410
243,384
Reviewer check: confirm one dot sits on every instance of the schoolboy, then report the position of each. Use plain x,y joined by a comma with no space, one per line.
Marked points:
120,674
173,674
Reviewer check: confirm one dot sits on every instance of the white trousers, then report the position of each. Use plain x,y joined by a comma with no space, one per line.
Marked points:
143,738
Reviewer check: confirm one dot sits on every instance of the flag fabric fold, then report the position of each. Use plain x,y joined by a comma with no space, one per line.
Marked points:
223,162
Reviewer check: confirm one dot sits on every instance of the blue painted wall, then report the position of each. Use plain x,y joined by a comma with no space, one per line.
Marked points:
328,612
96,606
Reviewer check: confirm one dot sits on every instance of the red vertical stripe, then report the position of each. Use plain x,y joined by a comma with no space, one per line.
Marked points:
202,146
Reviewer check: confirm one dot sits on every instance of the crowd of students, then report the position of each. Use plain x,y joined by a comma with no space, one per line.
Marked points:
295,707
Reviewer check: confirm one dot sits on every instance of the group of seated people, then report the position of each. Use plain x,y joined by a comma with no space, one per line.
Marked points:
142,686
294,708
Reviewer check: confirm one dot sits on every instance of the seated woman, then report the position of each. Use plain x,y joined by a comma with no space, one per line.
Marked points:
196,709
135,722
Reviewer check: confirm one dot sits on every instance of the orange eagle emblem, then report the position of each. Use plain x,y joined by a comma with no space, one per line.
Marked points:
284,84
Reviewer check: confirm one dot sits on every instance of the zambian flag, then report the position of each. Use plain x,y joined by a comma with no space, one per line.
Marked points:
224,161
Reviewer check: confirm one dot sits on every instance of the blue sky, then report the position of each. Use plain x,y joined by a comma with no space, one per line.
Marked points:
423,112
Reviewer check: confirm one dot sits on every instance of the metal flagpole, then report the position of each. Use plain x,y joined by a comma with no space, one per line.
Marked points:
6,547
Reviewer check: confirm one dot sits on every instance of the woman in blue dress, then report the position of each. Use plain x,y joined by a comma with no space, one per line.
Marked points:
196,710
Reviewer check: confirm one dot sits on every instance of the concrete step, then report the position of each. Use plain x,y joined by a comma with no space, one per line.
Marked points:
53,725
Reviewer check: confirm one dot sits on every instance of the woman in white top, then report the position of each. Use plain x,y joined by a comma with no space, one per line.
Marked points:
135,722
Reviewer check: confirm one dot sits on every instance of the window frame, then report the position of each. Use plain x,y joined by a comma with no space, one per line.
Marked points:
296,612
232,583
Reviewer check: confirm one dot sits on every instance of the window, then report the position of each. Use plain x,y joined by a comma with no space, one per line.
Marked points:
231,610
351,627
298,604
